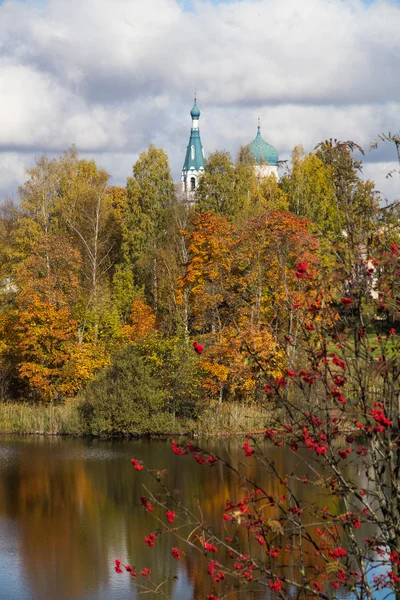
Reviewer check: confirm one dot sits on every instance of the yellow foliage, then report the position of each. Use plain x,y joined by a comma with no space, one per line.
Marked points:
83,361
234,359
3,332
52,360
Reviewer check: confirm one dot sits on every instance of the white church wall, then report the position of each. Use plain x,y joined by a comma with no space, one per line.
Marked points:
267,170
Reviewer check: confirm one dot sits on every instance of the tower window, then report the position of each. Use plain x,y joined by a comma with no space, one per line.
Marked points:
192,149
192,184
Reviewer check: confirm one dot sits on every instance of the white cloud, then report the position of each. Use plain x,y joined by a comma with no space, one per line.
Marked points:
388,185
114,75
12,173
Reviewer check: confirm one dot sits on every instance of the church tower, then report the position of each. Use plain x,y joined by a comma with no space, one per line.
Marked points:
193,166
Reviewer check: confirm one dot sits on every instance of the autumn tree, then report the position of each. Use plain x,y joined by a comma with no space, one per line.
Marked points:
8,254
267,194
241,280
327,187
8,263
49,295
142,321
271,247
91,218
51,360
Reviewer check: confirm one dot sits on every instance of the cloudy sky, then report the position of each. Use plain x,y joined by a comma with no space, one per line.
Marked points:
112,76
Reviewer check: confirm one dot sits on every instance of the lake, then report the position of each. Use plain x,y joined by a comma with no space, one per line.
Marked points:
70,507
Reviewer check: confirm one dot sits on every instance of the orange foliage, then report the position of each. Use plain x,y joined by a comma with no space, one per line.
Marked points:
51,272
243,285
270,248
143,321
211,245
52,360
228,360
118,196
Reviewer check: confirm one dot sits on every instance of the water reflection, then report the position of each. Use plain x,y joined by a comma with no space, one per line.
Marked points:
68,508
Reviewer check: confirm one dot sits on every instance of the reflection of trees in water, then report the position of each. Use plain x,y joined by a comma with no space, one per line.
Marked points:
216,489
76,515
51,499
224,484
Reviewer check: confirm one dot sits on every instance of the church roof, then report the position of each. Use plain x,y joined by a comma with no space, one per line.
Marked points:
194,154
263,152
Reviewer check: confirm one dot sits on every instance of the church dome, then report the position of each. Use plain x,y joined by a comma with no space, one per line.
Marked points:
195,112
263,152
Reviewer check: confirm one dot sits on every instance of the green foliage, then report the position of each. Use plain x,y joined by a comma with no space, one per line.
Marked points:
355,199
123,290
152,174
175,366
150,195
8,258
123,398
147,383
267,195
309,188
327,188
172,256
225,187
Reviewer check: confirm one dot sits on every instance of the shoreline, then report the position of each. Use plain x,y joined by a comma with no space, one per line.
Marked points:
141,436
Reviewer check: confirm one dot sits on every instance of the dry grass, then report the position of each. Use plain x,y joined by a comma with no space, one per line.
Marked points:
23,418
232,419
229,419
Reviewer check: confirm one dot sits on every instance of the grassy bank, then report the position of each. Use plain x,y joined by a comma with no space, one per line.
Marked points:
232,419
25,418
229,419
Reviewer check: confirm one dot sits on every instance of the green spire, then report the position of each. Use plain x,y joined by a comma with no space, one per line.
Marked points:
194,160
